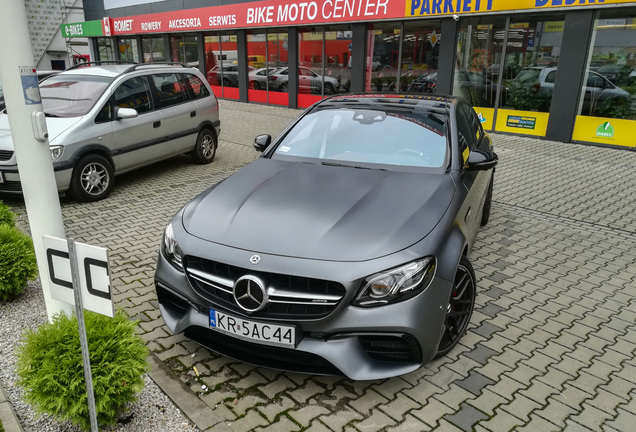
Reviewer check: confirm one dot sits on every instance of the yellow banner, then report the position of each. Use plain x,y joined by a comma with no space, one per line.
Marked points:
522,122
602,130
485,116
553,27
418,8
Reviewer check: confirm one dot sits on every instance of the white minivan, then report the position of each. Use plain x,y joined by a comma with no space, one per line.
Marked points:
105,119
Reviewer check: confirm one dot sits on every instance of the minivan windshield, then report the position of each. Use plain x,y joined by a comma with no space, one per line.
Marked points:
71,95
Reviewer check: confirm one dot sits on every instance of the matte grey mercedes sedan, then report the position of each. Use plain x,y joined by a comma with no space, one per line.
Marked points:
343,248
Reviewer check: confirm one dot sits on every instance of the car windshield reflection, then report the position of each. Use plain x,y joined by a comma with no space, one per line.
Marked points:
359,137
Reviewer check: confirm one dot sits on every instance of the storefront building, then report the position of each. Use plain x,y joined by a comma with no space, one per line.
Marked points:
564,70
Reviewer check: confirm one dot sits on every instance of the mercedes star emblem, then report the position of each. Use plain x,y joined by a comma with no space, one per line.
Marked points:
255,259
249,293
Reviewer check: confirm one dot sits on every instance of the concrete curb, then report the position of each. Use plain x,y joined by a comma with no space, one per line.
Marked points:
7,415
189,404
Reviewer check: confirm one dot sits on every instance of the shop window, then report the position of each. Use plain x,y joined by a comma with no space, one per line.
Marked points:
184,49
221,64
420,54
479,58
382,63
532,55
267,62
607,105
105,51
128,50
310,67
338,42
153,49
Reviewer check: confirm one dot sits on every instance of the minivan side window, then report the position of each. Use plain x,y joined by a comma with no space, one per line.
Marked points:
134,93
198,89
170,89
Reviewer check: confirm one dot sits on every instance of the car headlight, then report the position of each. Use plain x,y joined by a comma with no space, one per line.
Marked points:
397,284
170,248
56,152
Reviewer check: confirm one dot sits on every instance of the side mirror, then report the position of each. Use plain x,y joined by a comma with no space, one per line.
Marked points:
480,160
261,142
125,113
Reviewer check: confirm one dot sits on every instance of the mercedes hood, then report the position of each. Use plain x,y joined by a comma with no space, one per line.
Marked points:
320,212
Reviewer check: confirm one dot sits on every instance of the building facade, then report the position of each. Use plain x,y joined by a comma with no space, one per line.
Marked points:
564,70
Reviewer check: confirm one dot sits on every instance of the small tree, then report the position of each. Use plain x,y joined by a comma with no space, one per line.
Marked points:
51,371
17,261
6,215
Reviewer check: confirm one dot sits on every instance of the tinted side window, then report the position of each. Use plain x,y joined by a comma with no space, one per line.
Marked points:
134,93
199,90
465,135
473,123
170,89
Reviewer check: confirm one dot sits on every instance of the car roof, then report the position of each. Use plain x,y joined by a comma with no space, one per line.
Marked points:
393,100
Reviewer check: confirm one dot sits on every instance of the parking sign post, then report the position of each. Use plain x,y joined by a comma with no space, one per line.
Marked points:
79,312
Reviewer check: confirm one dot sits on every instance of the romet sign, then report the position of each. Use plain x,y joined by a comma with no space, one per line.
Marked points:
94,275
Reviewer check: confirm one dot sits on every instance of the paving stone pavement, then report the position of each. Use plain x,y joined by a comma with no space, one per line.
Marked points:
551,343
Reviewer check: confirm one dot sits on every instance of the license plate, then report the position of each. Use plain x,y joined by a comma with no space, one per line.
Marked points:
265,333
1,177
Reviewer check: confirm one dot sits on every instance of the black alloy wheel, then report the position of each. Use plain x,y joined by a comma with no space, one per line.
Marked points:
205,148
460,307
92,178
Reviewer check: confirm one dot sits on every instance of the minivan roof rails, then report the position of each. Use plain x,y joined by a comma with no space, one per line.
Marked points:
100,63
163,63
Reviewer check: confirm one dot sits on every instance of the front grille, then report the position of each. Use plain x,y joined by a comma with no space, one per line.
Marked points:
5,155
392,348
261,355
11,186
290,297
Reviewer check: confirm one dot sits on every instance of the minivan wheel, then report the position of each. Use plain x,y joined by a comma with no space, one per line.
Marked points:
92,178
460,307
205,148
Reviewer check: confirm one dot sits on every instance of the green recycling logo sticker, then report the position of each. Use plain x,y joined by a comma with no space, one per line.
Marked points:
606,130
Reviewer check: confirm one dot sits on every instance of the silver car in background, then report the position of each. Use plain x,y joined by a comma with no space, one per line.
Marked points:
107,119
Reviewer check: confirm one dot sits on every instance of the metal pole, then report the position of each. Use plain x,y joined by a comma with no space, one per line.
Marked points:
17,70
79,312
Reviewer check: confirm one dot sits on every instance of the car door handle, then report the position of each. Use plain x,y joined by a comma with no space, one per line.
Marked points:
193,114
156,124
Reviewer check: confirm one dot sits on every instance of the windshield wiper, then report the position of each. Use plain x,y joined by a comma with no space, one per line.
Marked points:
350,166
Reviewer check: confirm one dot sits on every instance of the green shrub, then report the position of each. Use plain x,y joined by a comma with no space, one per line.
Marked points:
17,261
51,371
6,215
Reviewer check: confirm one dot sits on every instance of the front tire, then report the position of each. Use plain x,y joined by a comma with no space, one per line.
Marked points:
460,307
205,148
92,178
